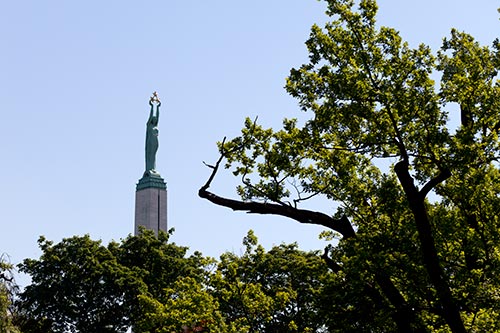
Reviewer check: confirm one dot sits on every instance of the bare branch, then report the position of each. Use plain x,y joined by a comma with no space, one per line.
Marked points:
208,165
214,168
300,198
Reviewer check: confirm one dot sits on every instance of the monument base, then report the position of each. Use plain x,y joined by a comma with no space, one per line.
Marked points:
151,203
151,179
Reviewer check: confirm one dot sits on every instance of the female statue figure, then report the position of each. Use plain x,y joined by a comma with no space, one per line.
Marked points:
152,135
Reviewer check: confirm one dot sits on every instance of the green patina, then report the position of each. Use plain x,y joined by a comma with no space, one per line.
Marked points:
151,177
151,180
152,133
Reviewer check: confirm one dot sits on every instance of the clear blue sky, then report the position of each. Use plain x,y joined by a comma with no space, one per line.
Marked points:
75,79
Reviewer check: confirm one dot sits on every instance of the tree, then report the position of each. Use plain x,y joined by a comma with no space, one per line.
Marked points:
159,265
80,285
77,285
274,291
8,290
417,219
151,285
186,306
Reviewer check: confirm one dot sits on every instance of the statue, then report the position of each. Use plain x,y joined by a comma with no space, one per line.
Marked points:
152,135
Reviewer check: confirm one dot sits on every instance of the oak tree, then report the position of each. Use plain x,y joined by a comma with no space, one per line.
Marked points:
77,285
416,197
81,285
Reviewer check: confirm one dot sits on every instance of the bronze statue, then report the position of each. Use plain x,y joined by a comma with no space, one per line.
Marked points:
152,134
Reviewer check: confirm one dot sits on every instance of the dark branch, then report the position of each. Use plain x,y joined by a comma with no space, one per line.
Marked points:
441,177
342,225
335,267
214,168
5,278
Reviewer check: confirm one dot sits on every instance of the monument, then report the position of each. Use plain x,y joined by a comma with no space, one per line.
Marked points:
151,190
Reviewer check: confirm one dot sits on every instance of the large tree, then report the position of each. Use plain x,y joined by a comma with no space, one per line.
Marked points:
417,218
159,264
77,285
260,291
80,285
271,291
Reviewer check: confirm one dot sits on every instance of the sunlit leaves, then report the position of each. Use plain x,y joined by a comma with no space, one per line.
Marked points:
370,102
80,285
271,291
185,305
8,290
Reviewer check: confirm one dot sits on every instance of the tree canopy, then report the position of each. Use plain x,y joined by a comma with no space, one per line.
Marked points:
77,286
151,285
259,291
80,285
271,291
404,142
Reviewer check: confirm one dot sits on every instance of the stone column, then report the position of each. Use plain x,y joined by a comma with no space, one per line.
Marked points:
151,203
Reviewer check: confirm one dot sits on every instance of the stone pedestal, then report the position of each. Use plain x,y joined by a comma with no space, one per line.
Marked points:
151,203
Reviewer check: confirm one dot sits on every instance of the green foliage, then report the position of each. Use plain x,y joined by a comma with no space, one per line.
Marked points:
185,305
411,164
8,289
157,263
145,282
80,285
274,291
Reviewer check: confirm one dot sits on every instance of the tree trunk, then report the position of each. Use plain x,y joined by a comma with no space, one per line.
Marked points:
451,312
